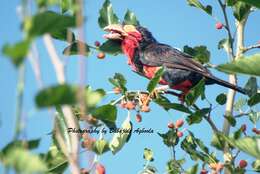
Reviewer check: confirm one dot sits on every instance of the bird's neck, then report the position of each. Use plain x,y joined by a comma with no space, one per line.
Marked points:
129,45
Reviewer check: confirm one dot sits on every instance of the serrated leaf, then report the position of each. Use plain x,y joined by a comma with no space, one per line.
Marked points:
224,43
166,104
240,103
111,47
107,15
48,22
63,35
17,52
120,138
255,99
195,92
170,138
198,4
241,10
251,86
246,65
199,53
197,116
221,99
56,95
148,154
254,117
255,3
256,165
74,49
249,145
193,169
155,80
107,114
55,160
174,166
119,81
130,18
100,146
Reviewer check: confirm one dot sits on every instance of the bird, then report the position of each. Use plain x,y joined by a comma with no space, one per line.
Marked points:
145,55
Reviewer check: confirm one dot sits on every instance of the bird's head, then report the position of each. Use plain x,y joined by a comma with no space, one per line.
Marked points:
127,33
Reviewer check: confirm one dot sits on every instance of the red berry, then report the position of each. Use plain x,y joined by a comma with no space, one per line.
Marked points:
256,131
101,55
171,125
203,171
219,25
179,134
100,169
97,43
138,118
179,123
242,163
243,127
130,105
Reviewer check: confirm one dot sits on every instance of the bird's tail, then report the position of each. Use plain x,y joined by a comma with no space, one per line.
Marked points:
213,79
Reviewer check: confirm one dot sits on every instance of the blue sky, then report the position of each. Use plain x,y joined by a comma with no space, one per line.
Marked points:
171,22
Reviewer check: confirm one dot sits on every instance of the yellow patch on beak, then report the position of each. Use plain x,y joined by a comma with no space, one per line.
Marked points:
129,28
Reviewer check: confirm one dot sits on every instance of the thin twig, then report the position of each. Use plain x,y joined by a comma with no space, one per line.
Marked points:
251,47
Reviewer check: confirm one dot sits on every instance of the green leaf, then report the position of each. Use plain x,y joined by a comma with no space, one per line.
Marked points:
245,65
107,114
197,116
170,138
255,99
224,43
111,47
17,52
119,81
193,169
255,3
256,165
174,166
148,154
251,86
218,142
221,99
65,5
254,116
231,2
93,97
107,15
23,161
63,35
130,18
249,145
120,138
240,103
74,49
166,104
232,121
199,53
100,146
155,80
195,92
197,4
241,10
48,22
56,95
55,160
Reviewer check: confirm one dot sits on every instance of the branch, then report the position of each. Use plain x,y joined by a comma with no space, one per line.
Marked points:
250,47
227,27
72,155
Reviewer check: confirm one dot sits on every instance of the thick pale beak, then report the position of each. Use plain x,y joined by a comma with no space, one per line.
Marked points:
116,32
